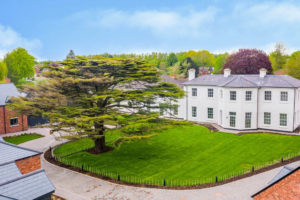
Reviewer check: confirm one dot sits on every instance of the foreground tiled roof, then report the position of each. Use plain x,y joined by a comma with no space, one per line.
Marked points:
7,90
246,81
27,187
10,152
283,172
9,171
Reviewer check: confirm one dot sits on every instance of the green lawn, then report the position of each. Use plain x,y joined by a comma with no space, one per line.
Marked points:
189,152
22,138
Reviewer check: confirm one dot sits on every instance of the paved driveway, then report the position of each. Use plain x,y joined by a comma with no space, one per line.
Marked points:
76,186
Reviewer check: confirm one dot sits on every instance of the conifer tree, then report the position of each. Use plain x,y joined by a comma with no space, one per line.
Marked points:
81,95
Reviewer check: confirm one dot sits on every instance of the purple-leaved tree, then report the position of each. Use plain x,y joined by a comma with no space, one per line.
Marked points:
248,61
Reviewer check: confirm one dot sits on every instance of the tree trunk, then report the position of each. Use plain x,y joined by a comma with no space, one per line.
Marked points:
100,142
100,145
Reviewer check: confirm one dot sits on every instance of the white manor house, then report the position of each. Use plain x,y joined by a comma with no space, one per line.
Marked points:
241,102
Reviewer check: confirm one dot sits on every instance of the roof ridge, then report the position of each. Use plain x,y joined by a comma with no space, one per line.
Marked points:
8,197
22,177
245,78
229,81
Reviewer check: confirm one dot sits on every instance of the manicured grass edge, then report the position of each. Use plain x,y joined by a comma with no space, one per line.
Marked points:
23,134
49,157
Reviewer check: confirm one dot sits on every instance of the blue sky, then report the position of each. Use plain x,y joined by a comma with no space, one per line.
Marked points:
50,28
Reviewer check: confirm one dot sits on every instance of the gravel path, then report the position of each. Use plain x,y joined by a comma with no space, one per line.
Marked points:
76,186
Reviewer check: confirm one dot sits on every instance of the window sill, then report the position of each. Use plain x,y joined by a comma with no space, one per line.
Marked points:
13,125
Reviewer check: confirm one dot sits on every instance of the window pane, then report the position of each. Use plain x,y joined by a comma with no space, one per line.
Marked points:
267,118
210,113
283,96
283,119
232,119
233,95
268,95
210,92
13,121
194,92
194,111
248,95
248,120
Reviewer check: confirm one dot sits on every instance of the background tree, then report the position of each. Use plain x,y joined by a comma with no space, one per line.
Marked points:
187,64
19,65
3,70
71,54
82,94
220,62
171,59
202,58
248,61
292,67
278,57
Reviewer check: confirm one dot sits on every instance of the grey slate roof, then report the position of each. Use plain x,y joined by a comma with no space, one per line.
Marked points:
7,90
170,79
10,152
9,171
27,187
246,81
283,172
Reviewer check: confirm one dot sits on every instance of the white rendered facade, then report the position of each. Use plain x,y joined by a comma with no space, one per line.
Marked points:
242,108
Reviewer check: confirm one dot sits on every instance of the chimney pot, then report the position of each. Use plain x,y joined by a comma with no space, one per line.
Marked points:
262,72
192,74
227,72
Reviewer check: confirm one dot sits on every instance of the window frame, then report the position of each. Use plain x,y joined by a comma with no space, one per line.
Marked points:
248,117
286,97
210,113
267,118
281,122
266,95
233,115
248,96
210,92
194,92
231,95
194,111
15,124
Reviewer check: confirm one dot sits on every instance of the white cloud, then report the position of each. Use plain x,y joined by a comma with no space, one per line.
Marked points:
189,23
10,39
270,12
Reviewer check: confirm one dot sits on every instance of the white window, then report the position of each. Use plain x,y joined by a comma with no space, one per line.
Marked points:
248,95
268,95
210,113
267,118
176,110
283,119
210,92
248,120
194,111
232,119
13,121
194,92
283,96
232,95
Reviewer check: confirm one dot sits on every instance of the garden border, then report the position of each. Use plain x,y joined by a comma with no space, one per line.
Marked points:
50,158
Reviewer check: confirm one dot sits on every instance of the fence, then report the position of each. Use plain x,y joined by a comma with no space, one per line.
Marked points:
163,181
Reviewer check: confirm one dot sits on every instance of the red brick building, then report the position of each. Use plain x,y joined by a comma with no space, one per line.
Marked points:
9,122
285,186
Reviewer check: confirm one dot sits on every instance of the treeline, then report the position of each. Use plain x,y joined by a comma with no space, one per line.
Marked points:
178,63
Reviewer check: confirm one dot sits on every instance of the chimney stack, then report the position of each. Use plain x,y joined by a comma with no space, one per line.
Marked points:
192,74
227,72
262,72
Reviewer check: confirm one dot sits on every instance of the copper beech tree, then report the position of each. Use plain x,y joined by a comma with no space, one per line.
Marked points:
81,95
